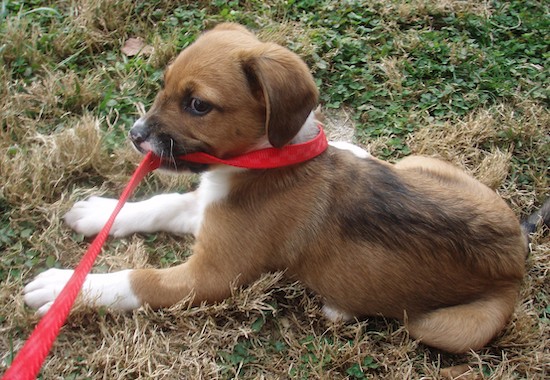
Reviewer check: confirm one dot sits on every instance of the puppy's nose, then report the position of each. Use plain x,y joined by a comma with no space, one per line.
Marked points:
139,132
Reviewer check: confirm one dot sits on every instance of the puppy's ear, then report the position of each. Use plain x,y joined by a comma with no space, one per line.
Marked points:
287,87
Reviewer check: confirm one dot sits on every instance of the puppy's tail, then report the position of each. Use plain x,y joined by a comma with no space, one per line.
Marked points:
537,219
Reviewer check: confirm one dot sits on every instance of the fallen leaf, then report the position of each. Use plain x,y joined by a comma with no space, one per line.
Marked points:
134,46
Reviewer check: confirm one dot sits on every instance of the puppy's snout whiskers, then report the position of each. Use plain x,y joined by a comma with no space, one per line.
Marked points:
172,158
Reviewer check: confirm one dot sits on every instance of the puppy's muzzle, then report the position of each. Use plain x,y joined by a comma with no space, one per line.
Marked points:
146,140
139,132
140,135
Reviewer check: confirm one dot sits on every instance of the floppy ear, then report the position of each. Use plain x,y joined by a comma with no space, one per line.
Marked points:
287,88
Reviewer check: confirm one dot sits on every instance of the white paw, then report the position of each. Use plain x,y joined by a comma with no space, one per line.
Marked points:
88,217
335,315
109,289
43,290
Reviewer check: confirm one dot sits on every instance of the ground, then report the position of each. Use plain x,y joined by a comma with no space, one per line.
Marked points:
466,81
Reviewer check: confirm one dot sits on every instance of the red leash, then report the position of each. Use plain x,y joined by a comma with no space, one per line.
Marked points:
28,361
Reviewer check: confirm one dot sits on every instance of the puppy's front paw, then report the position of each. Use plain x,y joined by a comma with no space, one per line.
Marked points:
44,289
88,217
104,289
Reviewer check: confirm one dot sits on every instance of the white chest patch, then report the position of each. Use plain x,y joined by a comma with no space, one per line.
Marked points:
214,187
215,184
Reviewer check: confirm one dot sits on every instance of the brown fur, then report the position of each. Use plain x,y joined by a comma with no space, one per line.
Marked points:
420,241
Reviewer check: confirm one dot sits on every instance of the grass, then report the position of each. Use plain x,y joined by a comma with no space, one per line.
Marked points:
467,81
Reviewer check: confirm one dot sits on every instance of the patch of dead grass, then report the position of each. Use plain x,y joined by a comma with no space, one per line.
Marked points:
44,100
39,168
414,9
485,144
392,68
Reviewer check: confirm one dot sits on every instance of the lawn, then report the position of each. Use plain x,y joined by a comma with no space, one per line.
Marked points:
467,81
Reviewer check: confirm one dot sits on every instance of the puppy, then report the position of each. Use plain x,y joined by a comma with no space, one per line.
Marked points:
420,241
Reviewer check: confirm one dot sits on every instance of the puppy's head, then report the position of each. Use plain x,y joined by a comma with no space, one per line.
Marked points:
224,95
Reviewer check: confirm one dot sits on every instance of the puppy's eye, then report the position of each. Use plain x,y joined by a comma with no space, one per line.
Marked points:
199,107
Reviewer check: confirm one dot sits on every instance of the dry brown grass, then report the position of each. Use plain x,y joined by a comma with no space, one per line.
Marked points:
476,143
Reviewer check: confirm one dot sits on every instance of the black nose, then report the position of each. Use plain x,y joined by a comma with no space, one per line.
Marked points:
139,132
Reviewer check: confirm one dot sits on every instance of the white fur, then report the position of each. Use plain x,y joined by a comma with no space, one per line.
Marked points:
175,213
109,289
159,213
213,188
359,152
308,131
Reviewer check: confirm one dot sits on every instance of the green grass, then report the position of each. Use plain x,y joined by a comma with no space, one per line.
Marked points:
463,80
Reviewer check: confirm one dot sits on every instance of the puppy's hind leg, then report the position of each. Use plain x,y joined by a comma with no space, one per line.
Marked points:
461,328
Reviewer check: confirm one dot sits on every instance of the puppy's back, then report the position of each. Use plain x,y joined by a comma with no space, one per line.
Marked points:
401,239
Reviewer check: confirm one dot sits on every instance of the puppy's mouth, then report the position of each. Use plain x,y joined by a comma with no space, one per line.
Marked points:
170,153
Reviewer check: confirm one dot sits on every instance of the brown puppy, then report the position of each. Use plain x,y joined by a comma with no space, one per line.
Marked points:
420,241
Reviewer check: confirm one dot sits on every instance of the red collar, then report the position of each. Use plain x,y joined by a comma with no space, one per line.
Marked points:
268,158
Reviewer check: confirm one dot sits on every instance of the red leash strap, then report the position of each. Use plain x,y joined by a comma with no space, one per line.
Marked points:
268,158
28,361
